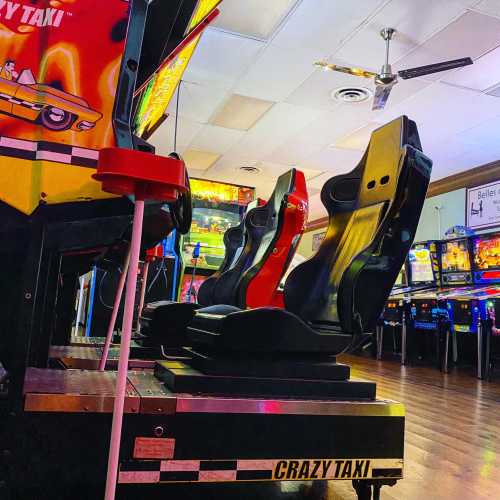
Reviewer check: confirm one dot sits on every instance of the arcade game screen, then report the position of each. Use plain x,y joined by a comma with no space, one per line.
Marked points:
216,207
487,252
420,265
455,256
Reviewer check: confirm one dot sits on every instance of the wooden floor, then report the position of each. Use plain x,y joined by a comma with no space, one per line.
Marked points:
452,449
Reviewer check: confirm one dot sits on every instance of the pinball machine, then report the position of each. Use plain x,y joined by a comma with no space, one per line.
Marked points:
186,422
469,309
419,273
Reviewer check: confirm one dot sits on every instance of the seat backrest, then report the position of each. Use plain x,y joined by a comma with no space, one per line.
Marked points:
373,215
234,241
259,284
261,225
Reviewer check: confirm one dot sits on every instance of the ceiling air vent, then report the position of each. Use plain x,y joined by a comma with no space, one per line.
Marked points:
250,169
351,94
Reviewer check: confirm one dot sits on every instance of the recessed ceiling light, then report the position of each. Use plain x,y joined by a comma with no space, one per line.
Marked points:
351,94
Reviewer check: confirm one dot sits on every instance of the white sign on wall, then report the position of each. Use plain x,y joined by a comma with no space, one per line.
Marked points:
483,206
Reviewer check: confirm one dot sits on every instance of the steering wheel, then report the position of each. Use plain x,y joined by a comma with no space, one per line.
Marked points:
182,209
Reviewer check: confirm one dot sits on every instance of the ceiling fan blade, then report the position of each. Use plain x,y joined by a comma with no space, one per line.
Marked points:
343,69
406,74
381,95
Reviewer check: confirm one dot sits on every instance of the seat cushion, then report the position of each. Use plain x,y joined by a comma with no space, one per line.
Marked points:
262,330
165,322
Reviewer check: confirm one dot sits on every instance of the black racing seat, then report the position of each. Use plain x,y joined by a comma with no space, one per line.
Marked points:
234,242
165,322
168,319
263,227
335,297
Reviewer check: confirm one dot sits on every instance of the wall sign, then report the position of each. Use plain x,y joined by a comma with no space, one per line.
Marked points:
483,206
317,239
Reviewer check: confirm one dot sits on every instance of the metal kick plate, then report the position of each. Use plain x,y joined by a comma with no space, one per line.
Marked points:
74,391
88,358
156,399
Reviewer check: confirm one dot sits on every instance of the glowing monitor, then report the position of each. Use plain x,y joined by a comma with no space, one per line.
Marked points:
455,256
421,265
487,252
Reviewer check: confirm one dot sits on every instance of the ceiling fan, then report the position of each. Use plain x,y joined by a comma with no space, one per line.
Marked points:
386,79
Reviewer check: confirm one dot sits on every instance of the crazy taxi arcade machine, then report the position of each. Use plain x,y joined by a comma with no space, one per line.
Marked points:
165,435
67,77
173,437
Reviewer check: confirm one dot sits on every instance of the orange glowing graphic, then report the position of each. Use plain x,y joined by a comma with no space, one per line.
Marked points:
455,256
487,253
59,67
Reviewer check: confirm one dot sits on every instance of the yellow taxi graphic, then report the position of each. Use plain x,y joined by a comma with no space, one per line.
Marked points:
56,110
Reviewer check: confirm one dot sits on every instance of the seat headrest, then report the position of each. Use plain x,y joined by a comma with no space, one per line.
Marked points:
261,224
373,214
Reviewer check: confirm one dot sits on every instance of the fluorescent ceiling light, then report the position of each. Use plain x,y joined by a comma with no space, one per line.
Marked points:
199,160
240,112
253,18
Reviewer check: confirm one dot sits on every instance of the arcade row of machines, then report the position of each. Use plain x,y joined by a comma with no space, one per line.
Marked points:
173,273
450,290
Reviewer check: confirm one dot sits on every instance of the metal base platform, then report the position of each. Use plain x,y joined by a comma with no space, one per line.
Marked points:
196,438
180,377
88,357
299,366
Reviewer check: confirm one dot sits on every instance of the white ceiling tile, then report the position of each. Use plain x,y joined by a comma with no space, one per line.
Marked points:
414,21
216,139
441,110
483,74
489,7
324,24
273,129
333,160
163,138
322,132
470,35
197,102
359,139
316,91
277,73
241,112
255,18
221,58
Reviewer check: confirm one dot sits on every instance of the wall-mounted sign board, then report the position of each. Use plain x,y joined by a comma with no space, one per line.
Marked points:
483,206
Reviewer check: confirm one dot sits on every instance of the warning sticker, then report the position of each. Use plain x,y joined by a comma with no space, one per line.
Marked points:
154,448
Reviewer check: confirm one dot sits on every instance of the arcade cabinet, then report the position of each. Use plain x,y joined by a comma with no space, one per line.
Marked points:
468,308
79,95
217,207
421,273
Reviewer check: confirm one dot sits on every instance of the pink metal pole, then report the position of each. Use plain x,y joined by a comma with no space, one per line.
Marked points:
145,271
121,378
114,314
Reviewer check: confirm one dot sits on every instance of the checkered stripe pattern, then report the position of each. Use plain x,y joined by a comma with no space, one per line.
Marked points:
203,471
49,151
26,104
